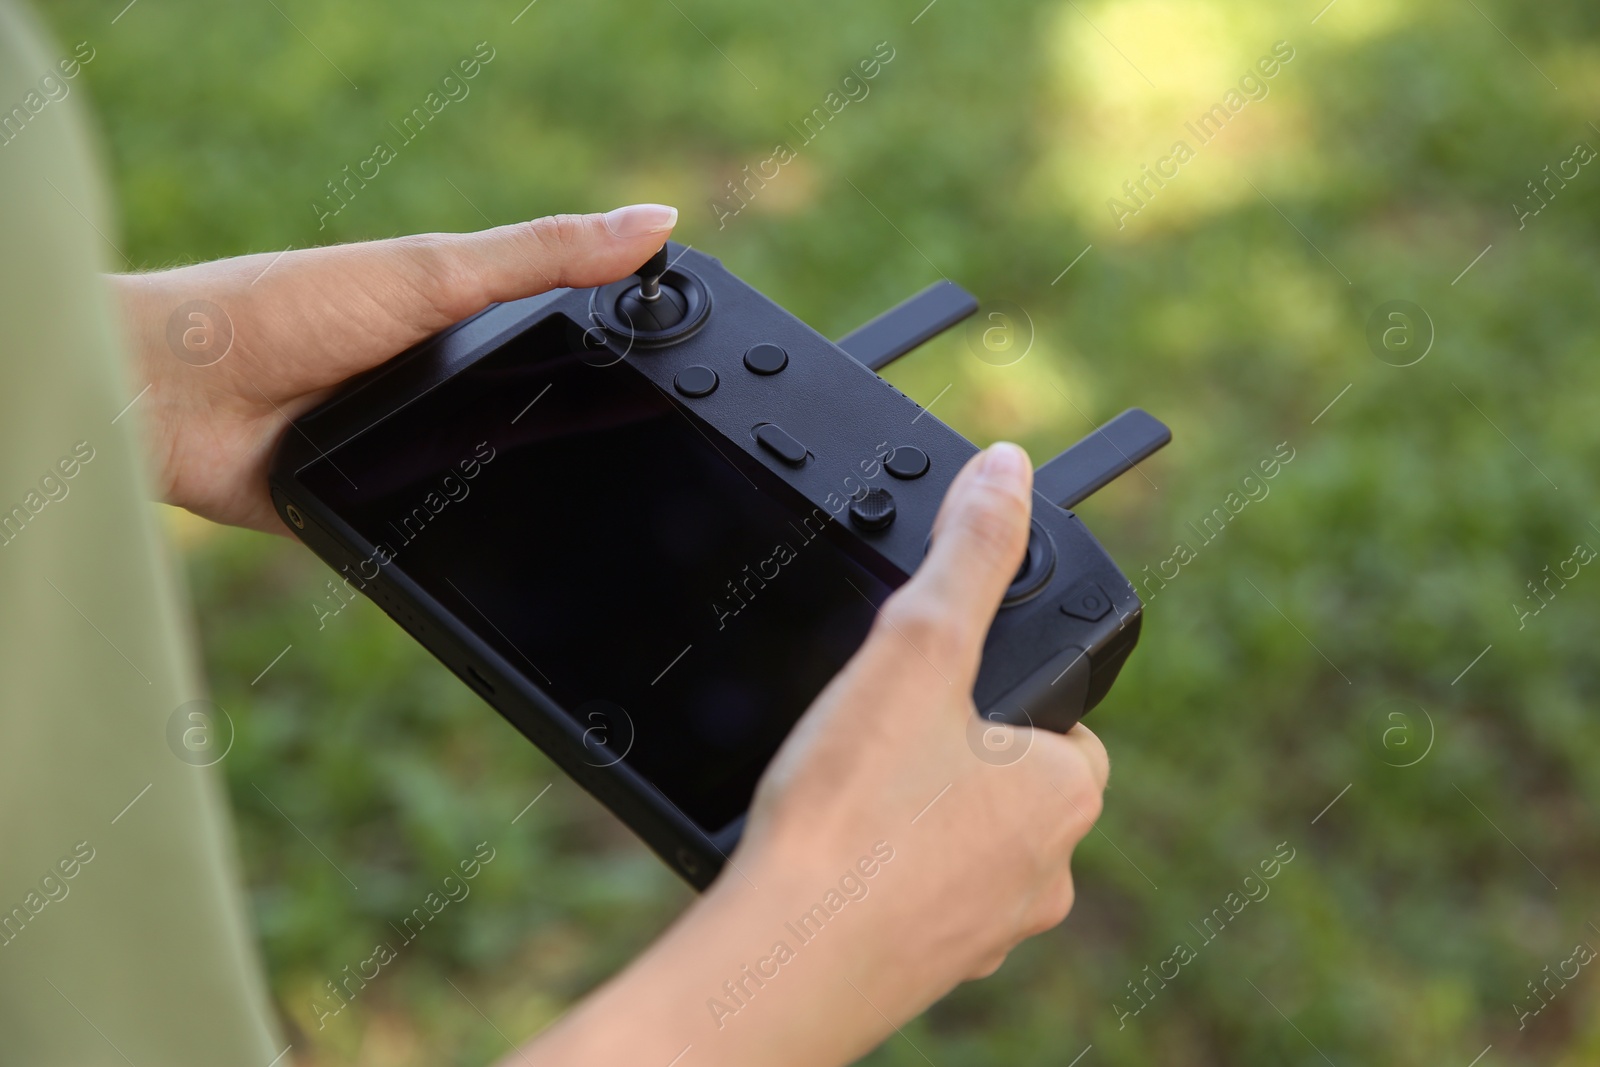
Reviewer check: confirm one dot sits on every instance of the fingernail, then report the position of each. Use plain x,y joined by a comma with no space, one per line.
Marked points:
1006,465
636,220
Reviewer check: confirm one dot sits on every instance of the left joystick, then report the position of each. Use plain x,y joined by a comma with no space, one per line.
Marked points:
650,305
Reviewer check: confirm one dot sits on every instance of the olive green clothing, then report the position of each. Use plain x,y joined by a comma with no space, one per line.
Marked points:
124,935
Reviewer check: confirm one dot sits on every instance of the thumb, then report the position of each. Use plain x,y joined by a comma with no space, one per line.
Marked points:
554,252
978,541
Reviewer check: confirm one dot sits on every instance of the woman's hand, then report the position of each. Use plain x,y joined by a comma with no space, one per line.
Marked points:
885,859
235,349
893,750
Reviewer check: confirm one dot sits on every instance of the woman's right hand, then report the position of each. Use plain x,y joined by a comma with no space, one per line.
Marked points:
893,750
885,859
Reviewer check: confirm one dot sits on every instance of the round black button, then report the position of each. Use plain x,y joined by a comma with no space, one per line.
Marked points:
873,510
907,461
766,359
695,381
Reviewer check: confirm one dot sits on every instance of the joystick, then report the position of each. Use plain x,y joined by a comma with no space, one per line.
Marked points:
658,305
652,306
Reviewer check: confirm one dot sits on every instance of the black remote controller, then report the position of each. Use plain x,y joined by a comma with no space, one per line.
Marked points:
683,368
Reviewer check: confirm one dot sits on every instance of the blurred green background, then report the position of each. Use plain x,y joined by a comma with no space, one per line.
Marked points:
1317,644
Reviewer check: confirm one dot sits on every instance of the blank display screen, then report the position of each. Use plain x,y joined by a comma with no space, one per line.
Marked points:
619,555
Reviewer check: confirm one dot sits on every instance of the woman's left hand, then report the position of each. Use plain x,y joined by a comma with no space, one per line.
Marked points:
235,349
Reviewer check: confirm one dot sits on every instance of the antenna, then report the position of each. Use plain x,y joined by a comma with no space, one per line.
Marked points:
908,324
1100,458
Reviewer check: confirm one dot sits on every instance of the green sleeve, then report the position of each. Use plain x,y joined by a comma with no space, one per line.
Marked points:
123,929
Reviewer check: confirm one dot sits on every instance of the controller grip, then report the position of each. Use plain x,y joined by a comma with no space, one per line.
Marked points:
1054,697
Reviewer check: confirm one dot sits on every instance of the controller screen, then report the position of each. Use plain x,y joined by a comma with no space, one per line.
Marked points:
683,608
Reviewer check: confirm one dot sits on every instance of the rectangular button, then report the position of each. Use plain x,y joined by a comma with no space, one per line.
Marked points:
774,439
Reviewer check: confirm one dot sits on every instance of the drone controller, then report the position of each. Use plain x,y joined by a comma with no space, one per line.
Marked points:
648,521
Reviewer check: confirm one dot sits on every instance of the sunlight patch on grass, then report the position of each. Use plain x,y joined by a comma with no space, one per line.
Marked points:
1156,137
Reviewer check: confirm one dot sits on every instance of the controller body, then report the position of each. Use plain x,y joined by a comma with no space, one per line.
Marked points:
776,399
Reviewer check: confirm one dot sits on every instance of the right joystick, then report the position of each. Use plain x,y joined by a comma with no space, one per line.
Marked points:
650,305
1038,564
